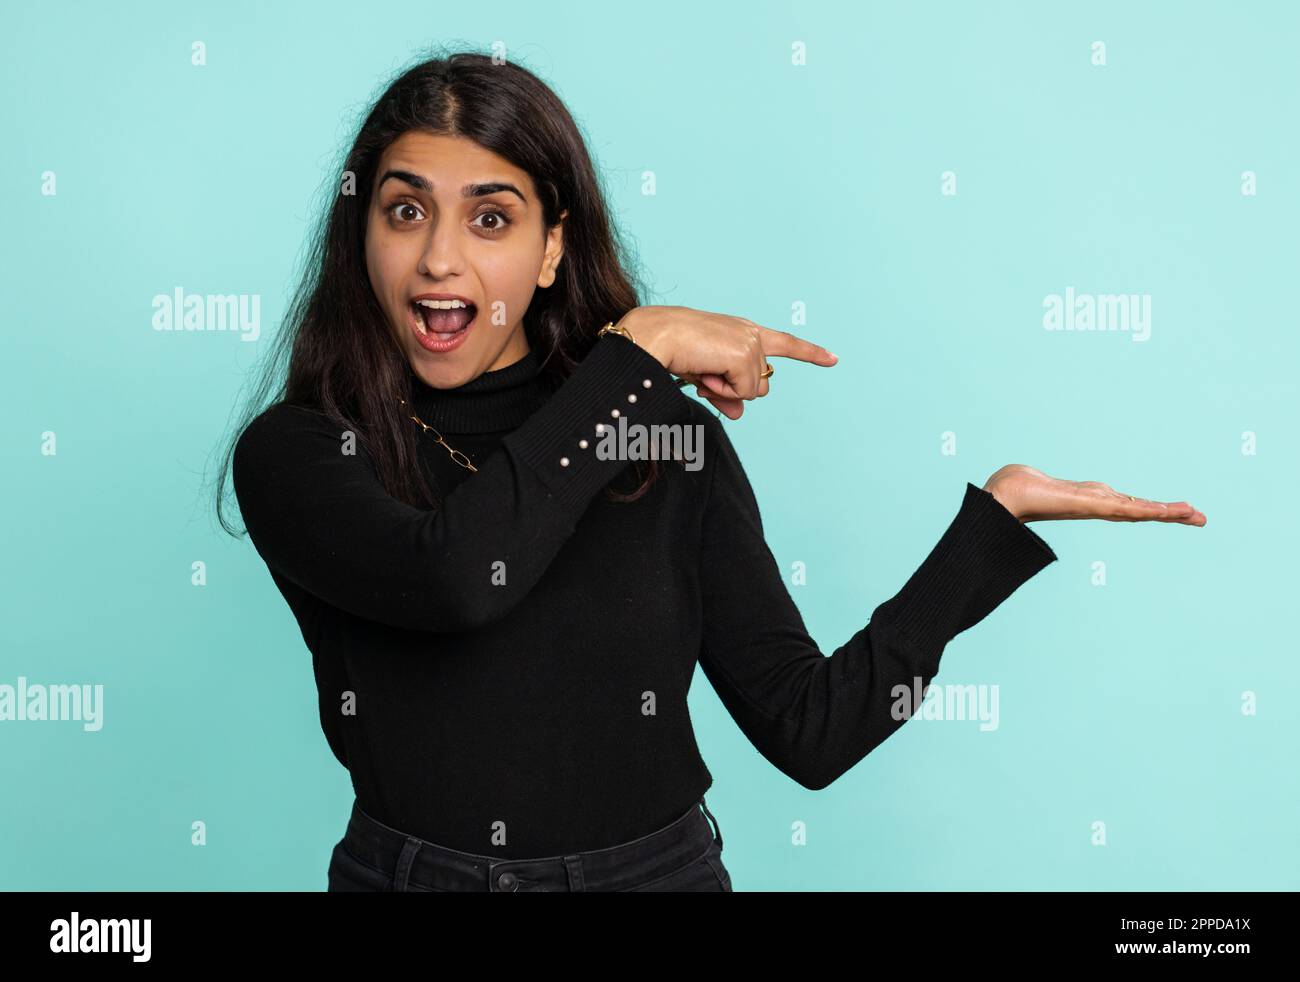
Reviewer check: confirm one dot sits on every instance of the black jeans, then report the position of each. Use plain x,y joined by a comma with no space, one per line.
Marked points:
685,855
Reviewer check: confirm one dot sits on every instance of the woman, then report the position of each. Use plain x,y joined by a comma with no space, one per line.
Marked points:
504,617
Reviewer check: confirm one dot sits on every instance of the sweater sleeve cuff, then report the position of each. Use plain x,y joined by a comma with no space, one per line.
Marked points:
611,377
983,557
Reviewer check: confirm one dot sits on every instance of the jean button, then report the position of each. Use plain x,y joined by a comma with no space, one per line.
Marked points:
507,881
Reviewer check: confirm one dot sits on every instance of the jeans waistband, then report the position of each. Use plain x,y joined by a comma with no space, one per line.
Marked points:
418,864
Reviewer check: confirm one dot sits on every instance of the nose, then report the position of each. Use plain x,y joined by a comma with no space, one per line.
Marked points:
442,256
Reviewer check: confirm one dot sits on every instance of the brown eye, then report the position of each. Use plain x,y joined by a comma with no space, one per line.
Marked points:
402,204
501,220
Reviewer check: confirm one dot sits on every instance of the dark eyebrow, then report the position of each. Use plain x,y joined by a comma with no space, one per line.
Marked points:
468,191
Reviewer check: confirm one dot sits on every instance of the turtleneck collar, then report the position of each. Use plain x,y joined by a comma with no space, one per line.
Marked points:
492,402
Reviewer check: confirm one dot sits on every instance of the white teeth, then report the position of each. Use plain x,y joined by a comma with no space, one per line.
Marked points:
443,304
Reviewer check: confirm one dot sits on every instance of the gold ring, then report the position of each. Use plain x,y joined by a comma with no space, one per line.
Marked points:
768,372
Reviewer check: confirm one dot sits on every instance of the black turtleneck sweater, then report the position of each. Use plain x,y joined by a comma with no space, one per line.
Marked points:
522,653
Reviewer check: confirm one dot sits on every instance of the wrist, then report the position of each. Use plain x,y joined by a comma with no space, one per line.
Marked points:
650,333
1002,497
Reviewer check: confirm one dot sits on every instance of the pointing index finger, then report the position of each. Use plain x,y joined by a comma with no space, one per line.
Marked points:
783,344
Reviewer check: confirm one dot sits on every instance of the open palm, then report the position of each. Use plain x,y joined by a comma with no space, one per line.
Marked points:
1033,496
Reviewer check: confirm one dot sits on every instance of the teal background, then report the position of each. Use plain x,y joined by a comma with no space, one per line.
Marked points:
775,183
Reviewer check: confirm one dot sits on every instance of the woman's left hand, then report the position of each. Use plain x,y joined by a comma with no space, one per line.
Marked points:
1032,496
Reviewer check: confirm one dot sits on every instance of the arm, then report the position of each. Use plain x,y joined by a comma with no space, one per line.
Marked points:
323,520
812,716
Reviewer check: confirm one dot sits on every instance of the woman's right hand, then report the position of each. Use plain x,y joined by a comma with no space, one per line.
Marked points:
723,356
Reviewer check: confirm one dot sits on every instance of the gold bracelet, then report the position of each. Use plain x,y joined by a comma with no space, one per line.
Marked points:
611,328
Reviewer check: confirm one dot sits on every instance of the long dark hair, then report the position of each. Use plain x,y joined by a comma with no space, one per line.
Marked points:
342,358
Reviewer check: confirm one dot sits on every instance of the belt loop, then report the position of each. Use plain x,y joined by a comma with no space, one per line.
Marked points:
573,866
717,829
402,874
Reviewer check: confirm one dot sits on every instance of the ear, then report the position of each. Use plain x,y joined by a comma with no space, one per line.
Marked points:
554,252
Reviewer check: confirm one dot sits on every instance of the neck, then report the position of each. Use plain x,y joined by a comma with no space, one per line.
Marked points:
492,402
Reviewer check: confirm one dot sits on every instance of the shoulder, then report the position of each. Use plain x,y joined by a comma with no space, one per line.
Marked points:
279,437
703,415
277,425
727,495
721,461
712,427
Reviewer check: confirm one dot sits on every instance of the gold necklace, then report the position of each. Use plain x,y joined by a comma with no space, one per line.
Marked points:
456,455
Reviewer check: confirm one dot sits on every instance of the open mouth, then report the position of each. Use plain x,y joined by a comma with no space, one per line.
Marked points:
442,320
